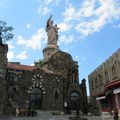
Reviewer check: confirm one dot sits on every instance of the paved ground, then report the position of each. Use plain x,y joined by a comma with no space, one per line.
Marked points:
46,115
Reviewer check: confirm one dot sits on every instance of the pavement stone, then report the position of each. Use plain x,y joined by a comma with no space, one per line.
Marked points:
46,115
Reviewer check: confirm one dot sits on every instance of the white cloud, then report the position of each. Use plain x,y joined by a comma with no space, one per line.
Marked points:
43,10
87,8
86,28
56,2
22,55
21,40
10,45
68,14
10,55
32,64
49,1
93,15
35,42
66,39
46,10
64,26
44,6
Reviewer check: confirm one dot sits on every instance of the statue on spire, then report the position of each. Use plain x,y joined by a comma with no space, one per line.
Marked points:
52,31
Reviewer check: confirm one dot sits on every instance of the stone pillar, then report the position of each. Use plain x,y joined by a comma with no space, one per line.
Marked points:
3,67
84,92
49,50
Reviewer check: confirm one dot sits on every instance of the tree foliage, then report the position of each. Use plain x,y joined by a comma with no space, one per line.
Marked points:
39,63
5,32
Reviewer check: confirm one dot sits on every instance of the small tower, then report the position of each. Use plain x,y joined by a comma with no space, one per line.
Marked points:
52,33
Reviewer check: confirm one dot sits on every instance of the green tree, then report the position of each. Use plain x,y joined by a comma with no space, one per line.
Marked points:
5,32
39,63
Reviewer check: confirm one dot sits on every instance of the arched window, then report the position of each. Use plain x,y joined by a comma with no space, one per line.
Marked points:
74,101
74,96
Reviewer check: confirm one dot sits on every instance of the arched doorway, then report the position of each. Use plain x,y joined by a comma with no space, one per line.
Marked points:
74,100
36,98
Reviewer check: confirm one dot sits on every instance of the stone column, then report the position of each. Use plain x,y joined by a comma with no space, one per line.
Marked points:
84,92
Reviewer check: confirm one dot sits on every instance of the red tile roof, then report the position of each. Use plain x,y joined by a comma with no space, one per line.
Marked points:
26,67
20,67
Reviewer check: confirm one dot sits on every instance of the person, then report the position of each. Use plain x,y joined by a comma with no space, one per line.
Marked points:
52,31
17,112
68,109
77,111
115,114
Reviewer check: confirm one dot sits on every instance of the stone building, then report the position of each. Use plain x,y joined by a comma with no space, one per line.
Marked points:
51,84
45,89
104,84
3,68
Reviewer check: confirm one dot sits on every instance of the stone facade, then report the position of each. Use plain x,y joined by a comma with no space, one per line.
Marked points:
104,81
48,84
51,84
3,67
57,80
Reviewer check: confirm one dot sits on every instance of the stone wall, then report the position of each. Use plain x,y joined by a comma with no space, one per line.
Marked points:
61,63
47,83
58,75
3,64
108,71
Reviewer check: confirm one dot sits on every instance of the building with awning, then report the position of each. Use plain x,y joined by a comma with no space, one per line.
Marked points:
104,84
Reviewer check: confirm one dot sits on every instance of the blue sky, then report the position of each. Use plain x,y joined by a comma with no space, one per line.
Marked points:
89,29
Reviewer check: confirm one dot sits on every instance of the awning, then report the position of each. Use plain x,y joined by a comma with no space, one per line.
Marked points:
116,91
99,98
